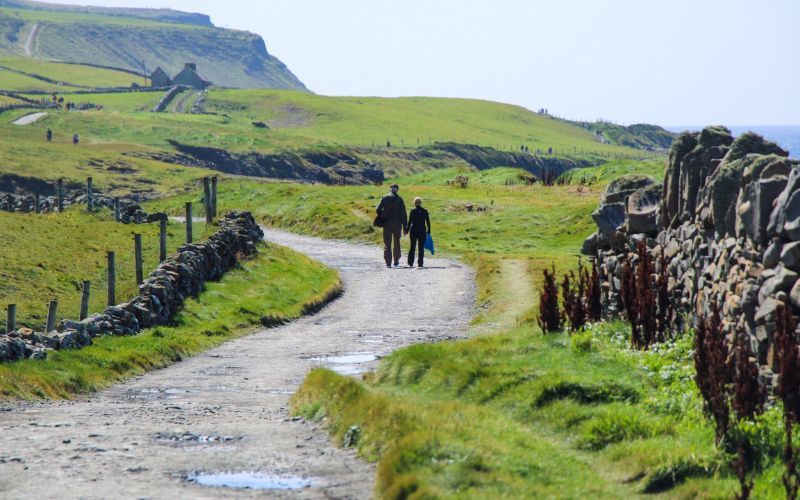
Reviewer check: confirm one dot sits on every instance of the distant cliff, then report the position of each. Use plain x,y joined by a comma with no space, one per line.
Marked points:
127,38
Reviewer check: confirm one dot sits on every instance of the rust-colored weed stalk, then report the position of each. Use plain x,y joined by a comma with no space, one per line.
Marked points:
789,391
550,317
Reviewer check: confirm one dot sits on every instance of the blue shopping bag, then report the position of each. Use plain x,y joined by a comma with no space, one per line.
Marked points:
429,244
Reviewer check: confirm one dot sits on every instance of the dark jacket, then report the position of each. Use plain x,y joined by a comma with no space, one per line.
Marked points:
396,214
419,222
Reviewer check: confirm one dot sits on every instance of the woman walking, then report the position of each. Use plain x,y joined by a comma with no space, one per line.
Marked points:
419,226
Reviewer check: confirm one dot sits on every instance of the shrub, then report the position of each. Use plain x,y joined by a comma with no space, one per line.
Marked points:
645,299
789,391
711,371
594,307
461,181
666,311
729,383
550,317
572,297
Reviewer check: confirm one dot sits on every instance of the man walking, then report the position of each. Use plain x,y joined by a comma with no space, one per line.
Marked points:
392,212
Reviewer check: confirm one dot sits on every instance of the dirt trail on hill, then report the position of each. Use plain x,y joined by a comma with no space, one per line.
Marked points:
225,411
31,39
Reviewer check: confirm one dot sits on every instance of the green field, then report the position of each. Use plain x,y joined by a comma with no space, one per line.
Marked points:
73,74
13,81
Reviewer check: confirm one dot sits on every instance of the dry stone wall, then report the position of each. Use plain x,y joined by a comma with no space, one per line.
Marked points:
129,210
727,221
160,296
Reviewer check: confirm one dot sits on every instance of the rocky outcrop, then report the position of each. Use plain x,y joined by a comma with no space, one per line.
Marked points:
160,296
727,222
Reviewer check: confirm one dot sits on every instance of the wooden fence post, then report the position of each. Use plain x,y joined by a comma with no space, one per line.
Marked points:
207,199
162,240
116,209
51,316
36,208
188,222
137,244
60,195
89,193
11,318
214,181
112,278
85,300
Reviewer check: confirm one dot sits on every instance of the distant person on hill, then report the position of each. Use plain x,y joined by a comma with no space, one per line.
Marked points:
75,139
419,227
392,217
49,135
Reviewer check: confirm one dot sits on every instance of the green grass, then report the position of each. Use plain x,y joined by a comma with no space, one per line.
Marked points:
364,121
24,152
74,74
609,171
49,256
303,120
12,81
519,415
278,284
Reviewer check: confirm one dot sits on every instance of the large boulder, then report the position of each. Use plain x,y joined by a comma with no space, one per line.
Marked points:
752,143
682,145
609,218
641,210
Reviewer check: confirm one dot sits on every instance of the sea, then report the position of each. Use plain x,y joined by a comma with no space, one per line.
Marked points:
786,136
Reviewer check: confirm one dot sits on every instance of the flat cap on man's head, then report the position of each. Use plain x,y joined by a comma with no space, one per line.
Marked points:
394,186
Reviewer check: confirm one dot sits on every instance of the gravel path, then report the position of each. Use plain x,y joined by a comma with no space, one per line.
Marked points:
226,410
29,119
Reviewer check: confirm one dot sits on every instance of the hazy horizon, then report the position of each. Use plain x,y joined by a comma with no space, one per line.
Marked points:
669,63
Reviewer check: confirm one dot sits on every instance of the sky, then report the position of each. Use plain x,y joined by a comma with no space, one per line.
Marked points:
670,62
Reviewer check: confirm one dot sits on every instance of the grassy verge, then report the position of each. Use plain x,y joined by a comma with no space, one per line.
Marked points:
277,285
519,415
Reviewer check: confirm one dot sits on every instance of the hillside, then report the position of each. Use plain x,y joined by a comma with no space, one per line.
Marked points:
640,135
302,136
126,38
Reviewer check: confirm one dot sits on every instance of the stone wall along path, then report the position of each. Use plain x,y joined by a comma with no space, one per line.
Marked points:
226,410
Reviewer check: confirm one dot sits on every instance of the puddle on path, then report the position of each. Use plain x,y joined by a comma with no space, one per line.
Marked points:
192,437
347,364
249,480
281,392
156,393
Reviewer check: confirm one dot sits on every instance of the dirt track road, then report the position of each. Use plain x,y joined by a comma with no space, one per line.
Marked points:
29,42
225,411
